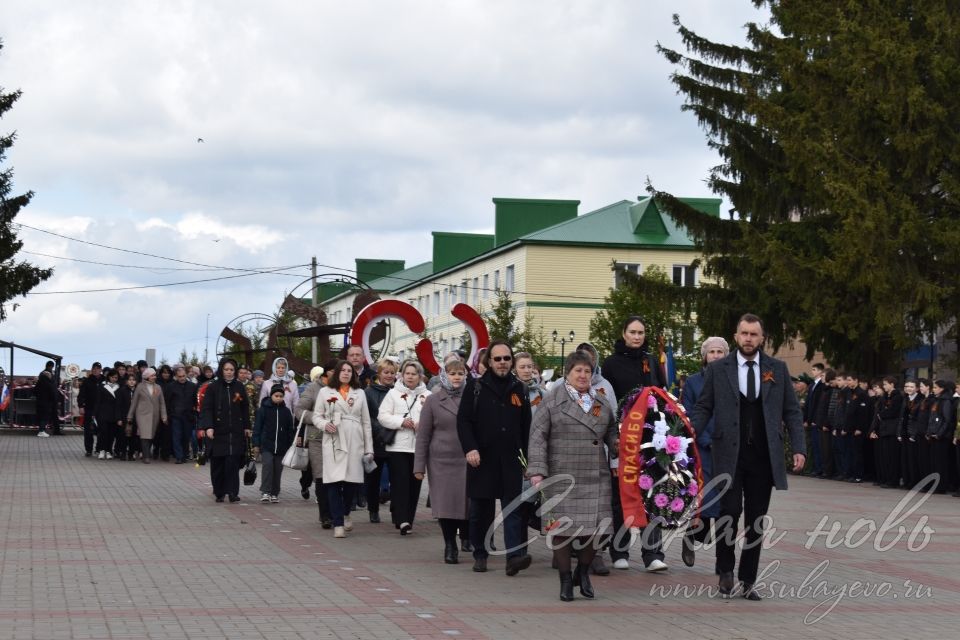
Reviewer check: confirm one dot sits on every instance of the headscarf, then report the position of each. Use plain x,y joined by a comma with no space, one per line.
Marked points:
148,372
453,392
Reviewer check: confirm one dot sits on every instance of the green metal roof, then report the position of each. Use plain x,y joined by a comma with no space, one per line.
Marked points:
402,278
622,223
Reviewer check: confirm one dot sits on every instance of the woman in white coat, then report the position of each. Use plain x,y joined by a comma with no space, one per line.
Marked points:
400,414
341,413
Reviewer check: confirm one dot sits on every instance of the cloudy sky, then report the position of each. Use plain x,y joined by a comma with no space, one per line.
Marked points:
330,129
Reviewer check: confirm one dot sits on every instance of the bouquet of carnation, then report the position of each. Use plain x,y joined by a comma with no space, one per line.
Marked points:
659,461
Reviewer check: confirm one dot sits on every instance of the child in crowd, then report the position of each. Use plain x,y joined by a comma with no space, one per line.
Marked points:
273,433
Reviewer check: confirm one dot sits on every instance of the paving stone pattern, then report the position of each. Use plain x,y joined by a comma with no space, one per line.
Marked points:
111,549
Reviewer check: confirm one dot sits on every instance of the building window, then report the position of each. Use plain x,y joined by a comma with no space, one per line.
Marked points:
486,286
620,267
436,303
446,304
463,291
508,279
684,275
476,291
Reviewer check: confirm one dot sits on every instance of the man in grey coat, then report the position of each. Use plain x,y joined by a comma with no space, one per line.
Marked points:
750,398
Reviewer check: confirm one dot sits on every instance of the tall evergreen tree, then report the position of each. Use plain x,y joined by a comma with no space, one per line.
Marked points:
16,277
837,125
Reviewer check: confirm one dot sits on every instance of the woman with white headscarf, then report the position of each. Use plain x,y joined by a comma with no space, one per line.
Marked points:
282,376
148,409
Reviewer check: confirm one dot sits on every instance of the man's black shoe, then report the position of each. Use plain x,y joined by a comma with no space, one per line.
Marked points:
375,517
480,565
466,546
234,498
516,564
726,583
687,552
749,593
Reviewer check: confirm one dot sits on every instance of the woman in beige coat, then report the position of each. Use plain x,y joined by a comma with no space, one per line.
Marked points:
148,409
342,415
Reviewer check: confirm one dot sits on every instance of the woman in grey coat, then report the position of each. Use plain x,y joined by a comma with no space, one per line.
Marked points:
567,462
148,409
439,455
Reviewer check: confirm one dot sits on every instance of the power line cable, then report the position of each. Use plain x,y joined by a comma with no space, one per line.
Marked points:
136,266
148,255
166,284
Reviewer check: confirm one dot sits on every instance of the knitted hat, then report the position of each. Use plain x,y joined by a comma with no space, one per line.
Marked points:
277,388
149,371
713,343
315,373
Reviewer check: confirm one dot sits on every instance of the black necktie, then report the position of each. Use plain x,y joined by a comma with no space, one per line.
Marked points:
751,382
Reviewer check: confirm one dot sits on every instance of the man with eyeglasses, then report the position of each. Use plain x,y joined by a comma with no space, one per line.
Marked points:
493,423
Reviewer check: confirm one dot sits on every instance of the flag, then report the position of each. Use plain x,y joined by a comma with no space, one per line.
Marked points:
670,368
4,398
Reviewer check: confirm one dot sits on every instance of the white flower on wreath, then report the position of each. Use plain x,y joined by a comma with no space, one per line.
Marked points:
680,456
660,427
659,441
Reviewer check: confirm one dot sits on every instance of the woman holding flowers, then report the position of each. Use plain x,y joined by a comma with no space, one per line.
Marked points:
341,414
567,461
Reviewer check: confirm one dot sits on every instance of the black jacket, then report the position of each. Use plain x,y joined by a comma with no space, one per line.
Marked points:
227,412
273,428
494,419
813,400
890,414
46,390
181,399
911,411
626,369
375,394
89,394
943,417
836,411
109,406
860,411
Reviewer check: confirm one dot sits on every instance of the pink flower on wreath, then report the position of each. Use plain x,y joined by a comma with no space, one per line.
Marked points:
674,444
692,488
677,505
651,401
668,409
661,500
646,482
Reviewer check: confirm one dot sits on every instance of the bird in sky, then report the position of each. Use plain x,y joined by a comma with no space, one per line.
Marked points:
199,140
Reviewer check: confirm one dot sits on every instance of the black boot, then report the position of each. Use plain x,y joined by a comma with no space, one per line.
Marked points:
582,578
566,586
450,553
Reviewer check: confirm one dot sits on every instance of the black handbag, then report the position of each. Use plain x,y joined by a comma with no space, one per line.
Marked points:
250,472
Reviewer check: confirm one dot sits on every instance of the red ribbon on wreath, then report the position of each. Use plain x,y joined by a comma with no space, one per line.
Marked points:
631,461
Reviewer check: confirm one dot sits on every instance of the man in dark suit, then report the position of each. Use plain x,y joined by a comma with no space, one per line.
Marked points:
814,392
749,396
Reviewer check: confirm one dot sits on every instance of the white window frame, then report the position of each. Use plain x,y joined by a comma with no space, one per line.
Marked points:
508,279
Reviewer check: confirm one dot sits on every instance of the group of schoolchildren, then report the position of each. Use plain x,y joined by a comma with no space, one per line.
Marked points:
859,430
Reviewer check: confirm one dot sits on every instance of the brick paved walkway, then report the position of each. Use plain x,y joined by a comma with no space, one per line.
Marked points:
108,549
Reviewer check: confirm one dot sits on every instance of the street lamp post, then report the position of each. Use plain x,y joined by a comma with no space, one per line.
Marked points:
563,342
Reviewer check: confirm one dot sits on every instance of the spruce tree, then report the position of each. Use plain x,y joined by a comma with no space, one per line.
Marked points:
837,126
17,277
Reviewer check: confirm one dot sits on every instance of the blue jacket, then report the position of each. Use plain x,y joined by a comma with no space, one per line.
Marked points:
273,428
691,393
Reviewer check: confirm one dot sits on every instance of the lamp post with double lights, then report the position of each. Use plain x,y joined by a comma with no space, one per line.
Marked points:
563,342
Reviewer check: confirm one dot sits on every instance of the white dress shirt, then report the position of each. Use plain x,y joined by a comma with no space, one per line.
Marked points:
743,370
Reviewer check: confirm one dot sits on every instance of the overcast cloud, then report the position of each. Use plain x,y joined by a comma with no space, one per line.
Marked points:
339,130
